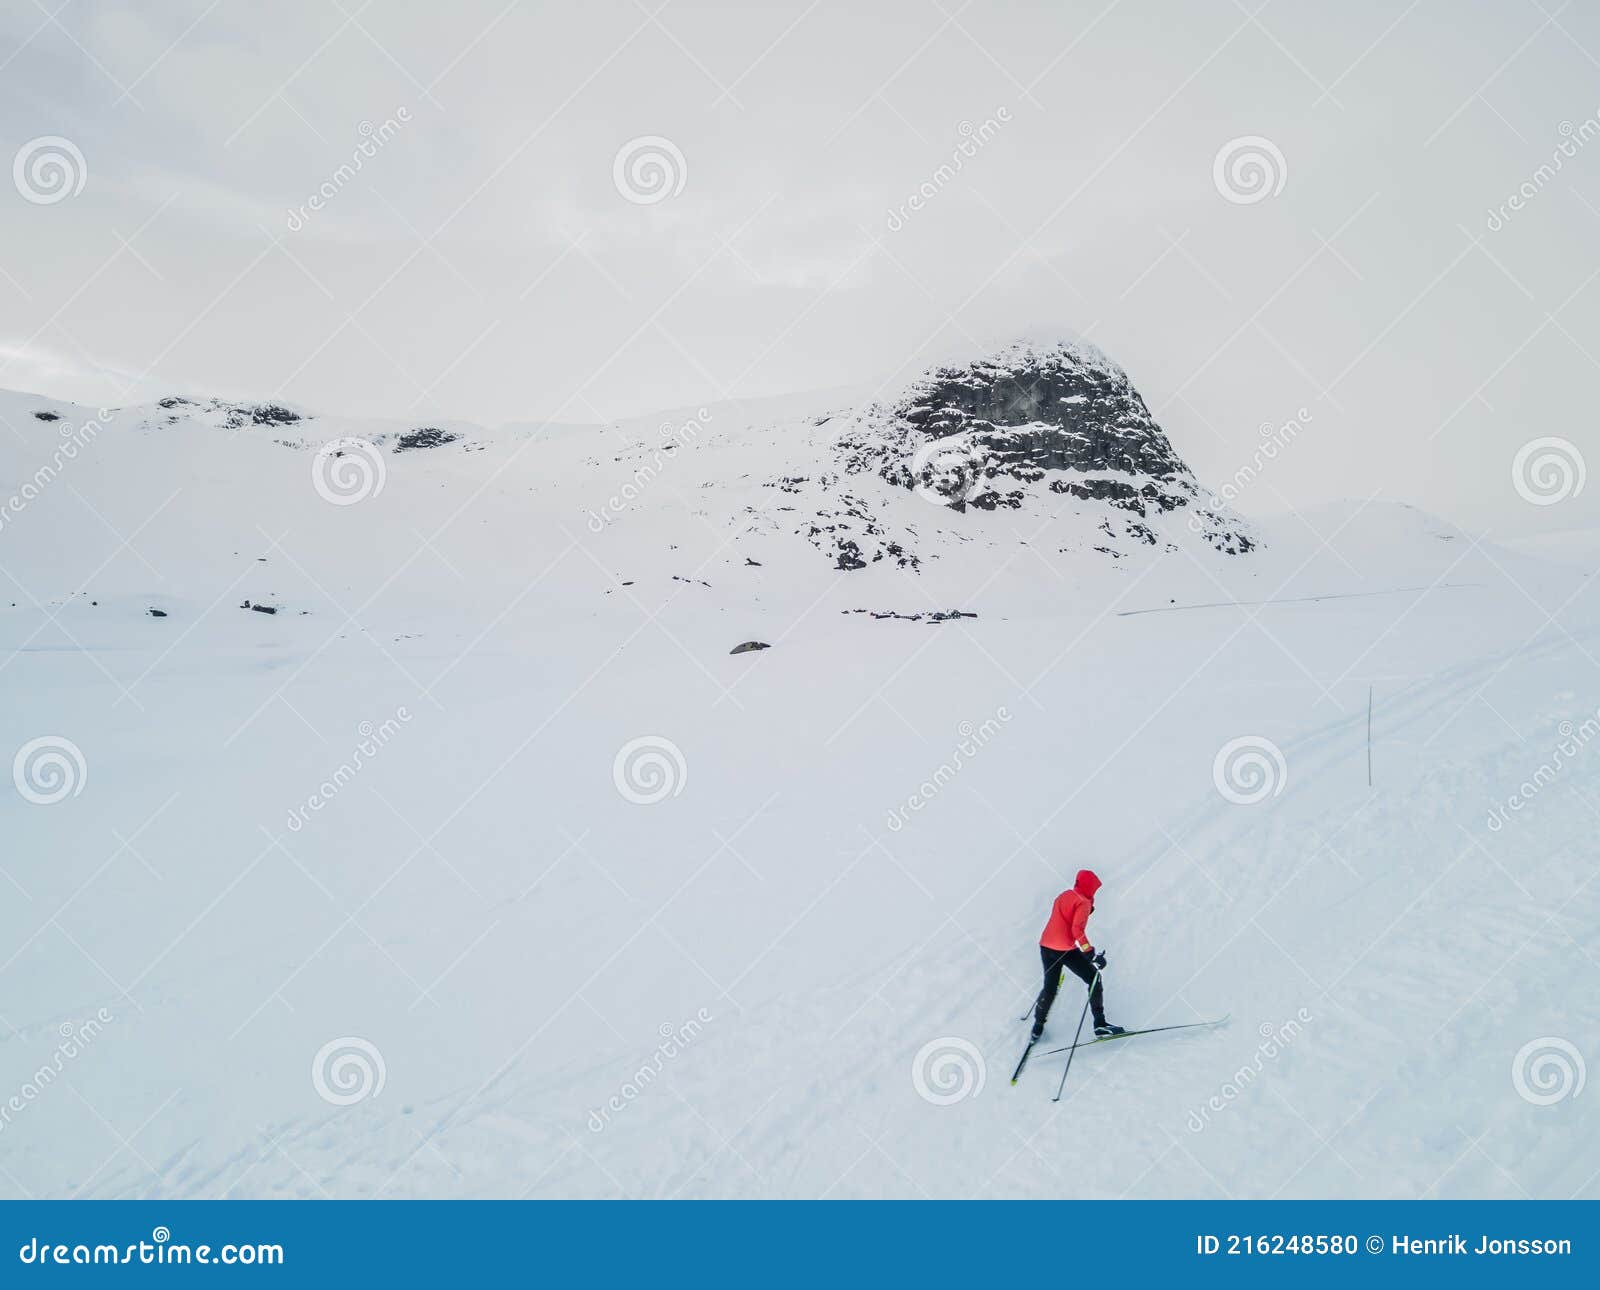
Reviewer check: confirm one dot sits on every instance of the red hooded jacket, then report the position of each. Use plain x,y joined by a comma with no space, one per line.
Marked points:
1069,916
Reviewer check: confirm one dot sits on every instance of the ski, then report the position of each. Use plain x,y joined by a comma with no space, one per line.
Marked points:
1031,1042
1150,1030
1024,1061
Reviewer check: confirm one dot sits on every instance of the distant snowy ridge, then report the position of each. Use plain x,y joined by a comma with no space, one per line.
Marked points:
1045,445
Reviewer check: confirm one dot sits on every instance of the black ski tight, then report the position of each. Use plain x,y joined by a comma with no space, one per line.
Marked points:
1078,963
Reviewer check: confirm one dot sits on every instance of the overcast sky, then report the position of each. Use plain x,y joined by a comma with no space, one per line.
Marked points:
491,259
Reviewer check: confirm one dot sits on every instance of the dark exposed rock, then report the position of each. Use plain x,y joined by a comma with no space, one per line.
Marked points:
424,437
260,609
235,416
942,616
270,414
46,416
156,613
1031,411
749,647
994,435
849,556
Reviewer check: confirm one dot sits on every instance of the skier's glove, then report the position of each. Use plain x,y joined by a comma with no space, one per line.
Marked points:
1099,959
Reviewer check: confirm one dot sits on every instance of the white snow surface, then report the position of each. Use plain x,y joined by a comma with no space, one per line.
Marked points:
726,992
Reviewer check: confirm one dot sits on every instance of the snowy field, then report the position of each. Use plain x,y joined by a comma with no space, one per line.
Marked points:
780,949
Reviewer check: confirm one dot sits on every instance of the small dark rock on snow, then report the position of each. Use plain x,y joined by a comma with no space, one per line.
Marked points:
156,613
46,416
941,616
749,647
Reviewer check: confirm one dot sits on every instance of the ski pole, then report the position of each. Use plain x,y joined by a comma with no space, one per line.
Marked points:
1081,1016
1029,1012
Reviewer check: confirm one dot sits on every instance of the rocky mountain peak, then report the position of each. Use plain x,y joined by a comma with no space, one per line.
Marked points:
1063,413
1053,427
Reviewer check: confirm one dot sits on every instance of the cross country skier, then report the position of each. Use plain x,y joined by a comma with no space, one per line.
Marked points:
1065,944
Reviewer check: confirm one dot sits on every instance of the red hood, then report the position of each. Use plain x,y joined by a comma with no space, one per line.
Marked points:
1087,884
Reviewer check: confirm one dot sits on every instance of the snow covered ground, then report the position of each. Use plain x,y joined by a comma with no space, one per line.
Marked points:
396,813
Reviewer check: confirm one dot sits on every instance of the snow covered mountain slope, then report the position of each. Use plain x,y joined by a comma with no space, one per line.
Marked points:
481,867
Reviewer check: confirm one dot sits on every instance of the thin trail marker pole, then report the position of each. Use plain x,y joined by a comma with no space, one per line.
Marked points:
1369,736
